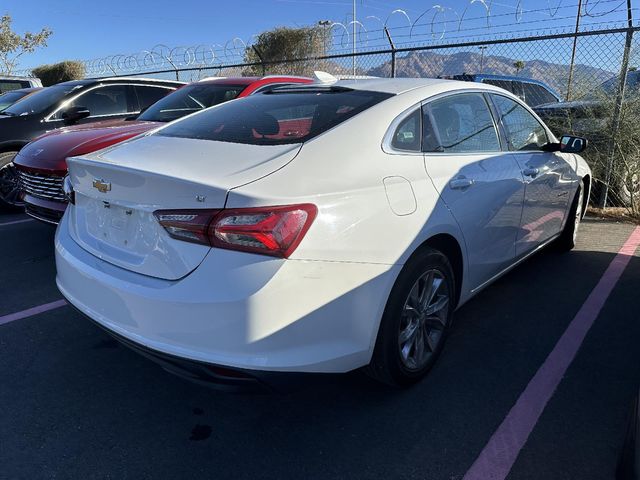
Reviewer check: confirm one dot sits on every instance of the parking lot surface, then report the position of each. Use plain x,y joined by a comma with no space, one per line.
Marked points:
76,404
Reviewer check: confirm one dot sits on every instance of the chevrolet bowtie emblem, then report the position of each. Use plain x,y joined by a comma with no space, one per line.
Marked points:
101,185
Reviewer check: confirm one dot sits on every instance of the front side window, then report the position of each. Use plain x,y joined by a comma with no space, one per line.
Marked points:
103,101
523,131
41,100
190,99
407,135
462,123
283,116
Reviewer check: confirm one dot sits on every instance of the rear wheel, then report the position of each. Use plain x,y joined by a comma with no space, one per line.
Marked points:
9,185
415,321
567,239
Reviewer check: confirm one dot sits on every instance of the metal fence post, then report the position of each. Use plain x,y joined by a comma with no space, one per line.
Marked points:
257,52
393,53
573,52
617,110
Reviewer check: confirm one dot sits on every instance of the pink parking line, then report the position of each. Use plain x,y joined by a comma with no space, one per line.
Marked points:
499,455
16,222
32,311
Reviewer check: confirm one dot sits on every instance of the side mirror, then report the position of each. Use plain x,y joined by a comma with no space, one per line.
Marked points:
567,144
73,114
571,144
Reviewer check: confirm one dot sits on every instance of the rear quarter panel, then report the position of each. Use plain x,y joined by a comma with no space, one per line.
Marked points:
342,172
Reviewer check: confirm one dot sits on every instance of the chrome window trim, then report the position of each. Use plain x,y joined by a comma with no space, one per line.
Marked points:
48,119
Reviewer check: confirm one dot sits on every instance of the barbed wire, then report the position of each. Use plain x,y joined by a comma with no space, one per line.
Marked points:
435,24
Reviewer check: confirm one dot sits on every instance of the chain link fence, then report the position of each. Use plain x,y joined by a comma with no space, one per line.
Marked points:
593,73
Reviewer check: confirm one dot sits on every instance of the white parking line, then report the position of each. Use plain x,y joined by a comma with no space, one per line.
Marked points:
32,311
16,222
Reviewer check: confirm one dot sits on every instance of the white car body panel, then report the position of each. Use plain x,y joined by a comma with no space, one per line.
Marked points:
126,233
320,309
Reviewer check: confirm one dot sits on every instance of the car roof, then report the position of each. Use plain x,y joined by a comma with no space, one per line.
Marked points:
400,85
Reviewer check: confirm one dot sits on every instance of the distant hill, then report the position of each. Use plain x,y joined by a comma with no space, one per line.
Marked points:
431,64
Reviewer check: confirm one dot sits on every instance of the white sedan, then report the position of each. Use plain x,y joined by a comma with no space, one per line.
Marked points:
320,228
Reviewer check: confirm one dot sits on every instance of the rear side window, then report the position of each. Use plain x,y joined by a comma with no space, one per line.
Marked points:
535,95
283,116
462,124
523,131
407,135
148,95
8,85
506,84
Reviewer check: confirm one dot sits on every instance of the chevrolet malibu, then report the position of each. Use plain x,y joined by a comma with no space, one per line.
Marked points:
318,228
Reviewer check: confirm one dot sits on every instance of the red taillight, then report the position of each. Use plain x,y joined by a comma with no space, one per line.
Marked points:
273,231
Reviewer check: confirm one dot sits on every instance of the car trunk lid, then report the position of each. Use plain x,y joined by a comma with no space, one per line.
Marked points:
117,190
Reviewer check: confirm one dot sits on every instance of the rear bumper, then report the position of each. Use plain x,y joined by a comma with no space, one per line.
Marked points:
216,376
236,310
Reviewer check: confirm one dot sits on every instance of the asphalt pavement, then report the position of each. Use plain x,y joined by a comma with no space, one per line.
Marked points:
76,404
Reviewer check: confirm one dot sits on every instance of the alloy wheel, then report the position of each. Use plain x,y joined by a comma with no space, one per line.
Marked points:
10,185
423,320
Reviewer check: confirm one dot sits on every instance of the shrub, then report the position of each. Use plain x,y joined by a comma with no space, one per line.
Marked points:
59,72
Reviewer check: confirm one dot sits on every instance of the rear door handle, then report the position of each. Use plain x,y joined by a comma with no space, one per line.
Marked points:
530,172
460,183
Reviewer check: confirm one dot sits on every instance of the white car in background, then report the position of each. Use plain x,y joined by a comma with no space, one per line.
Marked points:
9,83
320,228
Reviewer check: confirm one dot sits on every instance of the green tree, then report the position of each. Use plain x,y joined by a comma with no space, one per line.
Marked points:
281,49
14,45
59,72
519,66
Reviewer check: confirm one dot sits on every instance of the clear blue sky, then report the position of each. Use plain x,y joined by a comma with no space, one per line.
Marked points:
91,29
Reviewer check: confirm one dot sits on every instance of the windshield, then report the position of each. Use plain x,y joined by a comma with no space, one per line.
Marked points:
190,99
10,98
289,115
40,101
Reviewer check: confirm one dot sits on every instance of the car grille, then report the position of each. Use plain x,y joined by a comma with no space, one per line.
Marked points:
47,187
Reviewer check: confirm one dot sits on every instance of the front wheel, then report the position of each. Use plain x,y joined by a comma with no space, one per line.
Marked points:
9,184
416,320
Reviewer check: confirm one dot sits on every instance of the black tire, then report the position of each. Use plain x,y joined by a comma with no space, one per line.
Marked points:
567,239
9,189
388,363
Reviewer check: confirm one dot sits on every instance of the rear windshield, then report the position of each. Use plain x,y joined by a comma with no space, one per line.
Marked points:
190,99
289,115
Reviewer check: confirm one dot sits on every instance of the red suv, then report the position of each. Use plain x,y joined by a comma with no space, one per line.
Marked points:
41,164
